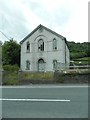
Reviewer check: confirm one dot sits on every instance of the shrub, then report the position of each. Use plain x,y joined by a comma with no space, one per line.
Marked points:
11,67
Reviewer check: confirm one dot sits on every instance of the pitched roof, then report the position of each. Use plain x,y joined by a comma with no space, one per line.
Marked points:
45,29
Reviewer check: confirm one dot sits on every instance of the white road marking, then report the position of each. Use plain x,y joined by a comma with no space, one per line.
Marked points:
46,86
37,100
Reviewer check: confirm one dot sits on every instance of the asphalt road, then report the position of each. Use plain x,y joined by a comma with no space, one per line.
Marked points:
45,101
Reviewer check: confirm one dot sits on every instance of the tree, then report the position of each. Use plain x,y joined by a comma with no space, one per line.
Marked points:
79,50
11,53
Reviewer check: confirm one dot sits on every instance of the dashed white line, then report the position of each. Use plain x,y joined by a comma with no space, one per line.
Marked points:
37,100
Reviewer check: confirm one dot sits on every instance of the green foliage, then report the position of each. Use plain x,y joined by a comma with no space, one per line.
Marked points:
76,55
11,53
79,50
84,61
13,78
11,82
11,67
10,78
42,76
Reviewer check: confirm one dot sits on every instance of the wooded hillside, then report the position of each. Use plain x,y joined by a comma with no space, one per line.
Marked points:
79,50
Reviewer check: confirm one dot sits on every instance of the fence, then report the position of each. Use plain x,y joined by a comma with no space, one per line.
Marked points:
78,69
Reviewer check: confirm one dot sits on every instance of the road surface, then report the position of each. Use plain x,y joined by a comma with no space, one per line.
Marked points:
45,101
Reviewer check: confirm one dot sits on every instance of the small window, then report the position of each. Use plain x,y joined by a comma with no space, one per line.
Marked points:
28,47
41,45
54,44
55,64
27,65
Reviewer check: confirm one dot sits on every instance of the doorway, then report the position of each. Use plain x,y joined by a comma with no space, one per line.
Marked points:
41,65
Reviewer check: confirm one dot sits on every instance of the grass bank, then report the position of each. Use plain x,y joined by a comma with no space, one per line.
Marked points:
26,78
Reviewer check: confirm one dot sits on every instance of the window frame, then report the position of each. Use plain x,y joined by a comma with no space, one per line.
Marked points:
27,65
55,64
54,44
28,46
40,44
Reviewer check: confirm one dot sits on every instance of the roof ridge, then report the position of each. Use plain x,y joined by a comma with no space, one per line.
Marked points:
40,25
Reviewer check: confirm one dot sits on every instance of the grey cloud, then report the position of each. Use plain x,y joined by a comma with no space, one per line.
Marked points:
62,16
12,21
59,16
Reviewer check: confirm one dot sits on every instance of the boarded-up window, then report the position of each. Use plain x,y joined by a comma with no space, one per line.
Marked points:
41,65
27,65
55,64
28,47
41,45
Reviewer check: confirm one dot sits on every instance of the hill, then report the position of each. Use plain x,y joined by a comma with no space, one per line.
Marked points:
79,50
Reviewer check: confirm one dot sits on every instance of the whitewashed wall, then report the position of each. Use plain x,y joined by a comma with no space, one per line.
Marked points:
48,54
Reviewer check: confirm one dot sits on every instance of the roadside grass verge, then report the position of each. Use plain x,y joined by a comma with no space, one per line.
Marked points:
16,78
37,75
10,78
26,78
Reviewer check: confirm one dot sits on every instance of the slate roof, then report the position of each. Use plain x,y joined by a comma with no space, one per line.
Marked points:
45,29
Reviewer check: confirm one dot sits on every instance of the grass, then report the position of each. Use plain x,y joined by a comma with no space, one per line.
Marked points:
84,61
42,76
14,78
10,78
17,78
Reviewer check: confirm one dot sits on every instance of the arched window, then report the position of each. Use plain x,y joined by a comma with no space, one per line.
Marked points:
28,47
54,44
41,45
27,65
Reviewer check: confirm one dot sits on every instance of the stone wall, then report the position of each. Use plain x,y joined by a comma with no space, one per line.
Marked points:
71,77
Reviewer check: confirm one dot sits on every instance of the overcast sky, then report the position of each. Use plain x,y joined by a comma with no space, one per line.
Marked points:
69,18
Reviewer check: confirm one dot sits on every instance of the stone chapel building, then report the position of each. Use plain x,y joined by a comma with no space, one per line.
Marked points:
44,50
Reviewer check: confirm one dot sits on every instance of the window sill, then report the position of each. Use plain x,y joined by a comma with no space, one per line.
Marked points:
55,50
27,69
27,51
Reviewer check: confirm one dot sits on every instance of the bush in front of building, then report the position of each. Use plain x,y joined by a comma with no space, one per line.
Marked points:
10,68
